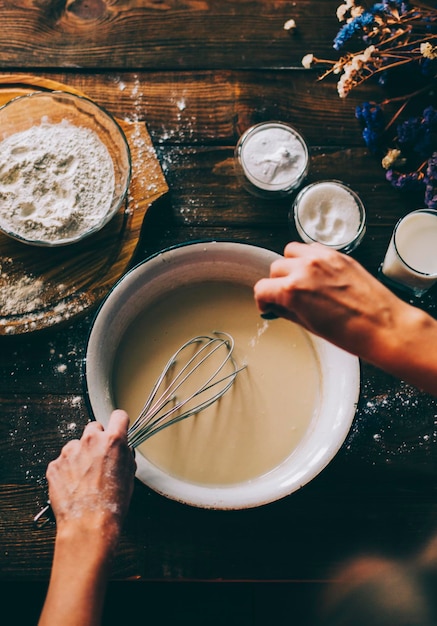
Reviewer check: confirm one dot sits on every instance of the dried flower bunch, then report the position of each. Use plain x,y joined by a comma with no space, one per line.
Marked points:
400,50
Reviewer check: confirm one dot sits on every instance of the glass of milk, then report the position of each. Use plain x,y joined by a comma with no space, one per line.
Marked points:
330,213
410,262
271,159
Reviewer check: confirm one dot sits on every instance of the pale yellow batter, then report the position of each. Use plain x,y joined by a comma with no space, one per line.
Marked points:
260,421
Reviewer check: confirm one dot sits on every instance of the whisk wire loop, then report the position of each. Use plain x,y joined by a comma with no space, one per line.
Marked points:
156,413
155,426
170,392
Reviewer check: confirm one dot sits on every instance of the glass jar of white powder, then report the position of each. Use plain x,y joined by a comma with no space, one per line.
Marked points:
330,213
271,158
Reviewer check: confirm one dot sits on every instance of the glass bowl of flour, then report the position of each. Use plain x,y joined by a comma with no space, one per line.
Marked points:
65,168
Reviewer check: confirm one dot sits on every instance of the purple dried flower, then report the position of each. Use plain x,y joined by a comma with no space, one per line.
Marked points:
430,116
408,131
430,181
400,5
431,196
428,67
431,171
419,133
412,181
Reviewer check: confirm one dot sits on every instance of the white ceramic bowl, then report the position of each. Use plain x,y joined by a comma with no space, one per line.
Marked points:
242,264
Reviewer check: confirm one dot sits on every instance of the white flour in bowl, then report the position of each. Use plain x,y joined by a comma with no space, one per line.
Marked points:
56,182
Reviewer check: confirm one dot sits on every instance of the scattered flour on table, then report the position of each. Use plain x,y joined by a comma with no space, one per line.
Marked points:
23,295
20,292
56,181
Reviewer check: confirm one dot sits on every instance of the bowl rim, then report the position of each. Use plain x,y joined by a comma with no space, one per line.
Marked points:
247,494
43,243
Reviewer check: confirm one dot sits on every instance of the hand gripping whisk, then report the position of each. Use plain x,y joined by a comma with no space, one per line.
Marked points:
196,376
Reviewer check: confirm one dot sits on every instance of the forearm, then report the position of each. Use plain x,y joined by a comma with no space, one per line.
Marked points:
78,580
408,348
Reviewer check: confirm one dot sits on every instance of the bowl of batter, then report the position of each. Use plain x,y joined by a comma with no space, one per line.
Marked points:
283,420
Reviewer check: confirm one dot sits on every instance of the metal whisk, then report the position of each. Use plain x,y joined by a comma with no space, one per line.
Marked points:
205,360
208,362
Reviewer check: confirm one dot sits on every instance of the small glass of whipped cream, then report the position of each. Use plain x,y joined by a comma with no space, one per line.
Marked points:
271,158
330,213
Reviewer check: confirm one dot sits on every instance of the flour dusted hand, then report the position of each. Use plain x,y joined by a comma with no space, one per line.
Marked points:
91,482
56,182
90,486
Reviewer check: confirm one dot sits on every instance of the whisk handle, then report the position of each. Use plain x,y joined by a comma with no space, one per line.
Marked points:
44,517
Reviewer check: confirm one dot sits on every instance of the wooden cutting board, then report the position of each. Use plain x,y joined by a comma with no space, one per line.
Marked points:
42,287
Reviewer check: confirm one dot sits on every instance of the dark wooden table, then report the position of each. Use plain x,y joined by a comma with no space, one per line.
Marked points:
198,73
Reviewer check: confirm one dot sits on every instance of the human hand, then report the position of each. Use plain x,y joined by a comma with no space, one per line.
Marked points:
331,295
90,487
91,482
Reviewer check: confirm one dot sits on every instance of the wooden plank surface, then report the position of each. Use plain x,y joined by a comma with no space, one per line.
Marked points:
161,34
198,74
42,400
